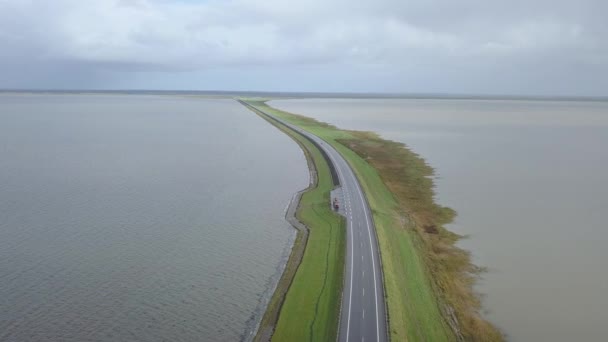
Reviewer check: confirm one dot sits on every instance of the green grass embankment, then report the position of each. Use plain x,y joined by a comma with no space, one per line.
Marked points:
428,281
310,310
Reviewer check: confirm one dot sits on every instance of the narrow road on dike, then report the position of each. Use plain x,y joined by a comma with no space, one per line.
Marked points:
363,314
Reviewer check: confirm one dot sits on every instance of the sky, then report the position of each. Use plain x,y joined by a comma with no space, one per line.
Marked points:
494,47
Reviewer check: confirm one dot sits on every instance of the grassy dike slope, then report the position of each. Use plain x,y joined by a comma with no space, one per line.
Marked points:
427,279
311,307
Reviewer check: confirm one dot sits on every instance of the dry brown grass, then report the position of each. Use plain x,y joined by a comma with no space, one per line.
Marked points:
452,274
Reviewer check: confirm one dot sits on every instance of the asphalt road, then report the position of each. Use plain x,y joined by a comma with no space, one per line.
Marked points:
363,314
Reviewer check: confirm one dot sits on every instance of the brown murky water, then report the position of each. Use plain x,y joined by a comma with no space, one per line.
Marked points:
529,180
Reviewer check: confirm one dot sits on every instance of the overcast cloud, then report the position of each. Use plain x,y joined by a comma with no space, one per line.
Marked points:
531,47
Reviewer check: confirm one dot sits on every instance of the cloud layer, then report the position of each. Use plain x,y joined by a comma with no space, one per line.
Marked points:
491,46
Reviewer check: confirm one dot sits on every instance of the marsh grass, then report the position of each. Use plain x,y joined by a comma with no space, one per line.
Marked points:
428,280
409,178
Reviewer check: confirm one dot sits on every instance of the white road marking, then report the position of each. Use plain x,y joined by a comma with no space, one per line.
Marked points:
341,176
371,247
364,292
352,262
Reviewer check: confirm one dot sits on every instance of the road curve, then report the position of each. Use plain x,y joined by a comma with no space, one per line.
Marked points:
363,314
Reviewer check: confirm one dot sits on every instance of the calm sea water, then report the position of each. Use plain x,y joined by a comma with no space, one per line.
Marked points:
529,180
139,218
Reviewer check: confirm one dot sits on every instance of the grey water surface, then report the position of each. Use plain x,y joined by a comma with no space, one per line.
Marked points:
139,218
529,180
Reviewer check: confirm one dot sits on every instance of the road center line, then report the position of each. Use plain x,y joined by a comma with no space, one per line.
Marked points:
352,262
371,247
331,153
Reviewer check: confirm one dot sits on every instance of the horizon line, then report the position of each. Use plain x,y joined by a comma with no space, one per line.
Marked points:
320,94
